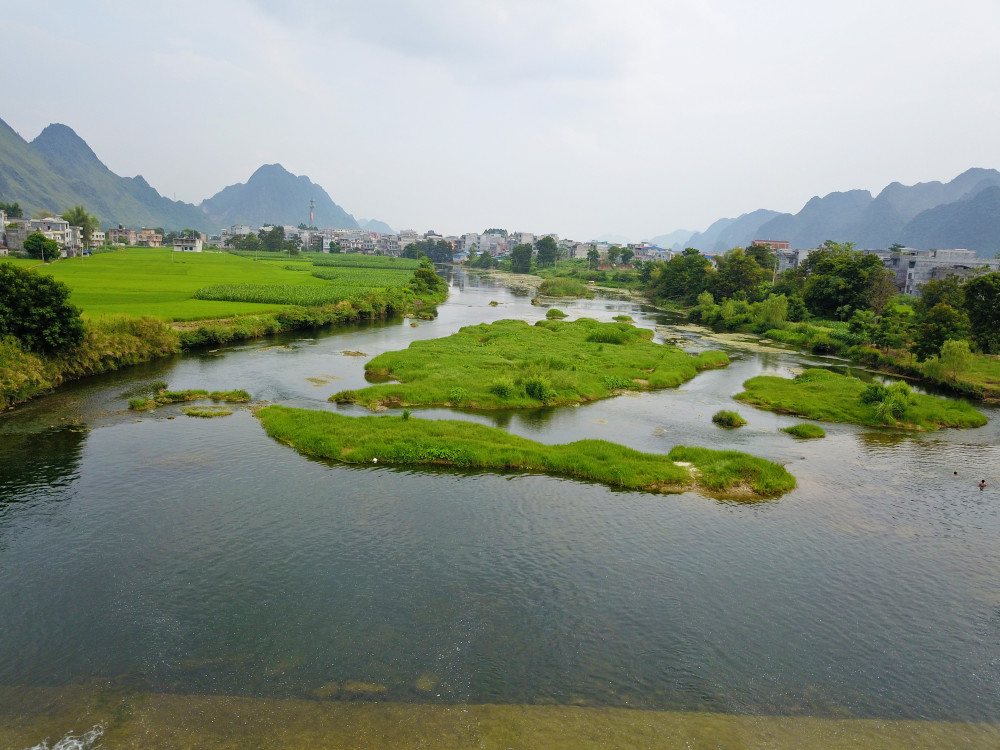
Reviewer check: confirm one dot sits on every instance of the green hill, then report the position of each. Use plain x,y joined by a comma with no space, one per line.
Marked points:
58,170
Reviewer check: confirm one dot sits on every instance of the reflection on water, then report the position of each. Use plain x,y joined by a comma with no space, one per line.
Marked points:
173,559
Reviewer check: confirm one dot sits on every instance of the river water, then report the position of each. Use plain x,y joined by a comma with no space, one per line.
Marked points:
163,555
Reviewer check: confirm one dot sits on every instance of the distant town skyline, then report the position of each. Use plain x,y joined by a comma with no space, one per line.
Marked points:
579,118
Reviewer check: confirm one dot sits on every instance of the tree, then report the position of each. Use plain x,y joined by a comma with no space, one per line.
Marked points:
614,252
593,258
738,272
37,245
941,323
955,356
982,305
683,278
34,309
765,257
13,210
520,258
439,251
272,240
950,290
773,311
841,280
892,330
627,255
547,251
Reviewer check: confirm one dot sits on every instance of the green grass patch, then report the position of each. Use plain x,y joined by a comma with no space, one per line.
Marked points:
623,318
829,397
163,397
357,260
725,418
564,287
416,442
207,412
552,362
553,314
805,431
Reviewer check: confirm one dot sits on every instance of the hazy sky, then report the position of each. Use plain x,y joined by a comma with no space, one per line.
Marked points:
633,117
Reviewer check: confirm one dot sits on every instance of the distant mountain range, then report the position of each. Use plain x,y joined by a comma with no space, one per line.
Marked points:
58,170
962,213
273,195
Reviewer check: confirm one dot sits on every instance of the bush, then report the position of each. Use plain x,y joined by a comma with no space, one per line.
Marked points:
725,418
34,309
503,388
805,431
458,396
554,314
539,388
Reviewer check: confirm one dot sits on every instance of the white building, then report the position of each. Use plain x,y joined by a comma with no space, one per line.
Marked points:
188,244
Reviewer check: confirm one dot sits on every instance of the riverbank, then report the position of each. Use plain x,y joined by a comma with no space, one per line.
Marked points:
120,721
409,441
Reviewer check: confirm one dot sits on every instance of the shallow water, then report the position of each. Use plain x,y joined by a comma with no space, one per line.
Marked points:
152,559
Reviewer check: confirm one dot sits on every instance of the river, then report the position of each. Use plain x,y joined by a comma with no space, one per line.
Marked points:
198,561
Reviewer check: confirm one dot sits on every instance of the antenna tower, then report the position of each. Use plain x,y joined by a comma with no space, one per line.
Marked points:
312,205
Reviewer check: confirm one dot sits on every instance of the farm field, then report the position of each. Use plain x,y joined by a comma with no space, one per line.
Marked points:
162,284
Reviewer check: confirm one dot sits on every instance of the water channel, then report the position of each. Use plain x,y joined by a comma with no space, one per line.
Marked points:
160,555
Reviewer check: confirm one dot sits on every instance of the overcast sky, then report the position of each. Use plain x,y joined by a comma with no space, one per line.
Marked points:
632,118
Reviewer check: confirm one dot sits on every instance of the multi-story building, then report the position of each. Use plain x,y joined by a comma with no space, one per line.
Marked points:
914,268
188,244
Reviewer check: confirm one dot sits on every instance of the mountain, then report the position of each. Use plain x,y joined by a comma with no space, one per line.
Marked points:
273,195
58,170
728,233
677,237
374,225
972,222
959,213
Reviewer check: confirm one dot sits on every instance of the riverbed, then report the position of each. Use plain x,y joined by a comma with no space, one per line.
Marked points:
162,572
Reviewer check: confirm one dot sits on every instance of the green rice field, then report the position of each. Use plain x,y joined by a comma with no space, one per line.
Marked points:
165,284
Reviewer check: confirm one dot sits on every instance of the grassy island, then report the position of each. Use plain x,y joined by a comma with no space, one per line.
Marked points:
409,441
162,397
805,431
725,418
829,397
563,287
511,364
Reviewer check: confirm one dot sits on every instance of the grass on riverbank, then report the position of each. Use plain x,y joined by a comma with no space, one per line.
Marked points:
410,441
511,364
108,345
829,397
805,431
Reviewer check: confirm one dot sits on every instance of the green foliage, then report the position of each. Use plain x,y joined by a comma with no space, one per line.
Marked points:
78,217
520,258
39,246
547,251
34,308
771,312
427,285
737,272
956,357
982,305
939,324
458,396
842,280
358,260
553,314
725,418
13,210
550,362
438,251
683,278
949,290
563,287
393,440
623,318
163,397
827,396
805,431
207,412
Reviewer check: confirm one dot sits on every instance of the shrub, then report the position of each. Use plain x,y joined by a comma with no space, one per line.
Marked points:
805,431
725,418
458,396
35,310
539,388
554,314
502,387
